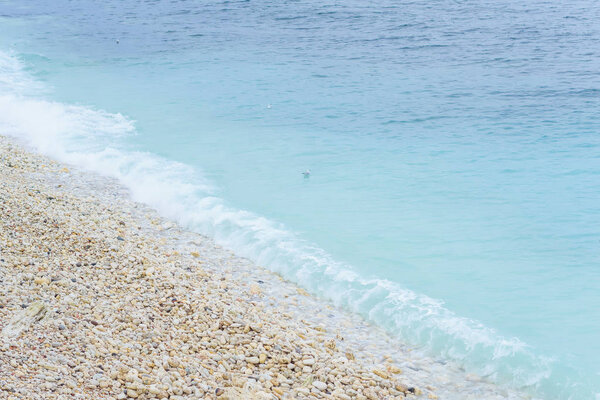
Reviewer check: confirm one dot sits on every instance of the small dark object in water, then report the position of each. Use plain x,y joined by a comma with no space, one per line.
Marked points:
120,238
411,389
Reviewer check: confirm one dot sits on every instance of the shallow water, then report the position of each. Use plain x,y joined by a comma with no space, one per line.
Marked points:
453,149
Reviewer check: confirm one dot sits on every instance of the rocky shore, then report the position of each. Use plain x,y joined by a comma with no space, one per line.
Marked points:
102,298
93,304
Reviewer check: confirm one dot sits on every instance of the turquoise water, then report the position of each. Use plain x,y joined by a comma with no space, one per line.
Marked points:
454,149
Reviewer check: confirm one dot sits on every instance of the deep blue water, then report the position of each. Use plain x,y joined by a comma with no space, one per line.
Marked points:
454,150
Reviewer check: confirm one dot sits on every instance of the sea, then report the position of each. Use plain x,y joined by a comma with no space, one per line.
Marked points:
451,151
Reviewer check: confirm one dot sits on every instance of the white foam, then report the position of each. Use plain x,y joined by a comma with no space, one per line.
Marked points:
14,78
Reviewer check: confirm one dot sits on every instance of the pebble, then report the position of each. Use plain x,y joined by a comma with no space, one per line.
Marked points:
253,360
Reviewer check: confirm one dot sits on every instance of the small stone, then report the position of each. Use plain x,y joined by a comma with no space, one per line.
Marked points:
255,289
303,390
132,393
153,389
401,388
370,394
285,359
322,386
381,374
252,360
131,375
394,370
262,358
339,394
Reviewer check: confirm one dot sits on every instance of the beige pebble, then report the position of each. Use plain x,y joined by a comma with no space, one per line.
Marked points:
41,281
252,360
381,374
394,370
322,386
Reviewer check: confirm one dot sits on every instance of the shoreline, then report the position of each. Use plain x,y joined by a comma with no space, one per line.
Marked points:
137,307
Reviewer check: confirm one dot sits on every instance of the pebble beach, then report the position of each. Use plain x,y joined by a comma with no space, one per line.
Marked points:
102,298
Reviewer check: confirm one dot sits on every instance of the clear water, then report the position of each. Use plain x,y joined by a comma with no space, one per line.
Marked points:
454,148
